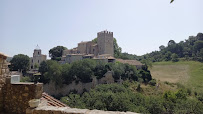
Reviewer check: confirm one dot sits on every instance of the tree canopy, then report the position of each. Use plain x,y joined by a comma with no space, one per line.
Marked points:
20,62
188,49
56,52
86,69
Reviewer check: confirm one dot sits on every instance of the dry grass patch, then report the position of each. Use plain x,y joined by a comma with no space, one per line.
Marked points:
170,73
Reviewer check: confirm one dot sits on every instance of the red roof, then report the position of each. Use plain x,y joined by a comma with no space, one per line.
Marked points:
51,101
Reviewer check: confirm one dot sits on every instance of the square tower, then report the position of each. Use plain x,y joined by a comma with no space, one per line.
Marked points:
105,43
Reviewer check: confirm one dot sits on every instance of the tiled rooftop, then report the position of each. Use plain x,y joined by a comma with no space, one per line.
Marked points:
51,101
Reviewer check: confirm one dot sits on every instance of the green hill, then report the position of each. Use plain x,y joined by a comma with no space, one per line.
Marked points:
187,73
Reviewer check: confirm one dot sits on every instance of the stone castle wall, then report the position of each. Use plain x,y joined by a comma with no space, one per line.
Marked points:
105,42
51,89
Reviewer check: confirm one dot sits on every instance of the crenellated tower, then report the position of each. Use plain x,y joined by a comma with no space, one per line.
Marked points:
105,42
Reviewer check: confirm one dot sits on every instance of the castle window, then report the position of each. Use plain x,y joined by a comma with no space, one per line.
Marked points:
38,61
38,53
32,60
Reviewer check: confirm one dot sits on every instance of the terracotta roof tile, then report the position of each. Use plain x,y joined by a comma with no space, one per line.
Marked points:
51,101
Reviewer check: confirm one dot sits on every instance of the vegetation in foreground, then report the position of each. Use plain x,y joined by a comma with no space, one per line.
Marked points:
119,97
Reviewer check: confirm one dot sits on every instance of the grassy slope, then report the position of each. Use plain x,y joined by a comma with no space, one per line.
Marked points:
189,73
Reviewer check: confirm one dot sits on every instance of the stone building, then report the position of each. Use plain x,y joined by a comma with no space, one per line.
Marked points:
89,49
37,58
104,45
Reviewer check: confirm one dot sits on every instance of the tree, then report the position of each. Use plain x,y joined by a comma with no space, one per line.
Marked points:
200,36
171,42
20,62
201,53
198,45
162,47
54,72
56,52
83,70
42,69
100,70
65,73
167,56
117,49
174,57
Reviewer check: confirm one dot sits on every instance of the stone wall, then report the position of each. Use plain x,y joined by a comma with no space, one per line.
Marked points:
54,90
4,71
67,110
51,89
17,96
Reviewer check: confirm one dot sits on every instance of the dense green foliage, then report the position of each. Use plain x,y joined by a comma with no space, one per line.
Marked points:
56,52
86,69
190,49
115,97
20,62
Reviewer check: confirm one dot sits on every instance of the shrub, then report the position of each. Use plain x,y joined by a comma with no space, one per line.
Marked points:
200,97
26,79
152,82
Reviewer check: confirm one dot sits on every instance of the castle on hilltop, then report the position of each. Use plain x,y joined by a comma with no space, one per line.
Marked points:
101,49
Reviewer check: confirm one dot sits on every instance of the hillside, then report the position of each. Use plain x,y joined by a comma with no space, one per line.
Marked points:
190,49
188,73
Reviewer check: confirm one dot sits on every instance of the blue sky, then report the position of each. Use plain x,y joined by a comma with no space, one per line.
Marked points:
140,26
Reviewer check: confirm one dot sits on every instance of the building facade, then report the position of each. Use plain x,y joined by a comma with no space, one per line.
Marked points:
104,45
37,58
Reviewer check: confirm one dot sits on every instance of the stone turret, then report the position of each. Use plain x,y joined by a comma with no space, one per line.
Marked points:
37,58
105,42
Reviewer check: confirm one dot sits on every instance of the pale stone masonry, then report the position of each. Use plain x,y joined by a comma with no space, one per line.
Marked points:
67,110
37,58
14,97
17,96
89,49
4,72
104,45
